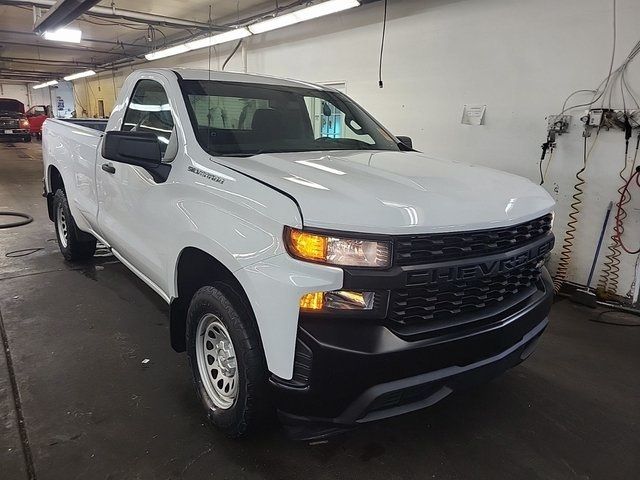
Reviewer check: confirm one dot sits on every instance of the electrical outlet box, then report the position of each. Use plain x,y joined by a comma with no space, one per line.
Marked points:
595,117
558,123
611,118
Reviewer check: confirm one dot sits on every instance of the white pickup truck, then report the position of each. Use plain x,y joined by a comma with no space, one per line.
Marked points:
315,264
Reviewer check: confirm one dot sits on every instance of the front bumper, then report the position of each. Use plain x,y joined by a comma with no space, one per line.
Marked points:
358,372
15,133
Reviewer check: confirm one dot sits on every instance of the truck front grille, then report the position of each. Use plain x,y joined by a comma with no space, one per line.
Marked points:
455,281
8,123
443,305
440,247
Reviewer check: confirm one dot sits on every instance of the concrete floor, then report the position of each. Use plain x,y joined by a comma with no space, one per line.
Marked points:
92,409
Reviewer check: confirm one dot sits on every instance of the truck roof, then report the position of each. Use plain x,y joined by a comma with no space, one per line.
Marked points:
215,75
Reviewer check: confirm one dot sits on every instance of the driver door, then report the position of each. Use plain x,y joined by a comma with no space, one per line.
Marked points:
36,115
133,206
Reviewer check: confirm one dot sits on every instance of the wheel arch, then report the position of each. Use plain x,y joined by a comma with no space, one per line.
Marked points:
54,182
196,268
54,179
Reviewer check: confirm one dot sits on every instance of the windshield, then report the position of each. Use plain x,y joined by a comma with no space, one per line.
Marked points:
232,118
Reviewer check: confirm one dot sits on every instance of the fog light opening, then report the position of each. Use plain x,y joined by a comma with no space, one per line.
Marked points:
346,300
338,300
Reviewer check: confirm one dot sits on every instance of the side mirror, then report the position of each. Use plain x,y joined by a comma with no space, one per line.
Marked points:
406,141
141,149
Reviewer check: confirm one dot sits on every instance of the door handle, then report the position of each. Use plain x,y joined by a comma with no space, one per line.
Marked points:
107,167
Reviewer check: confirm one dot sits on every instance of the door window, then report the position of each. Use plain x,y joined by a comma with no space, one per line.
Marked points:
149,111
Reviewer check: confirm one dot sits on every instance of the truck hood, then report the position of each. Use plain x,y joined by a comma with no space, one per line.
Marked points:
11,105
395,192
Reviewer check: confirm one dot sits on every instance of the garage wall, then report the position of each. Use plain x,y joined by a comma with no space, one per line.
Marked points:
16,91
40,96
19,92
442,54
90,91
24,93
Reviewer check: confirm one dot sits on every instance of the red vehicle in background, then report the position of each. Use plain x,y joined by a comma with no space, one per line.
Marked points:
36,116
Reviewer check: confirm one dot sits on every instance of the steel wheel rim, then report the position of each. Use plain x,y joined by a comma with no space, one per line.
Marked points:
63,230
217,361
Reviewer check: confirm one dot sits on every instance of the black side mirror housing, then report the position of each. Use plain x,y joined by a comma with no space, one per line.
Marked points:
406,141
141,149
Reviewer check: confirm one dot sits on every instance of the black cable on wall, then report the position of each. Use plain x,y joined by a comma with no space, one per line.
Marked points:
384,30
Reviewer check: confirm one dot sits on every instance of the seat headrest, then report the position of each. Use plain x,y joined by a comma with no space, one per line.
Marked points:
268,123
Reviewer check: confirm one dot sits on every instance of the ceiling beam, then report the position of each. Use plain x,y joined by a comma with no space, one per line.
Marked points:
26,76
65,48
128,15
37,75
61,14
14,73
43,62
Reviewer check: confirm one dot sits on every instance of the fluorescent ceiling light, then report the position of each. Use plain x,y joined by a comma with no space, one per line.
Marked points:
315,11
75,76
45,84
167,52
70,35
229,36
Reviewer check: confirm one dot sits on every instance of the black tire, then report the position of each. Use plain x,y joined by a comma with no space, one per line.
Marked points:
72,247
27,138
251,407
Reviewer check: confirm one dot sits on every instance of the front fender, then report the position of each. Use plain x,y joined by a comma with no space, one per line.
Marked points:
232,241
274,288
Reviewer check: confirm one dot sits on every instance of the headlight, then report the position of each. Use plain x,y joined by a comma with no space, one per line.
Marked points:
24,123
333,250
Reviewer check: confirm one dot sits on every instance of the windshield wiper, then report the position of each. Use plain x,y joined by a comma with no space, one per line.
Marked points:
246,154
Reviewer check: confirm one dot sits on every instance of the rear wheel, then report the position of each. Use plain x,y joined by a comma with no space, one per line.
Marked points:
226,359
73,248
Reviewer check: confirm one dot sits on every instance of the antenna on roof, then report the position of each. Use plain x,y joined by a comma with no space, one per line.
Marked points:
208,83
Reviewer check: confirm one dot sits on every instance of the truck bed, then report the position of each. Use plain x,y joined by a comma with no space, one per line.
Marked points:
99,124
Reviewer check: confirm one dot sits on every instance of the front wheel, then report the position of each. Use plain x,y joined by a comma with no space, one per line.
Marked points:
26,138
226,360
72,247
